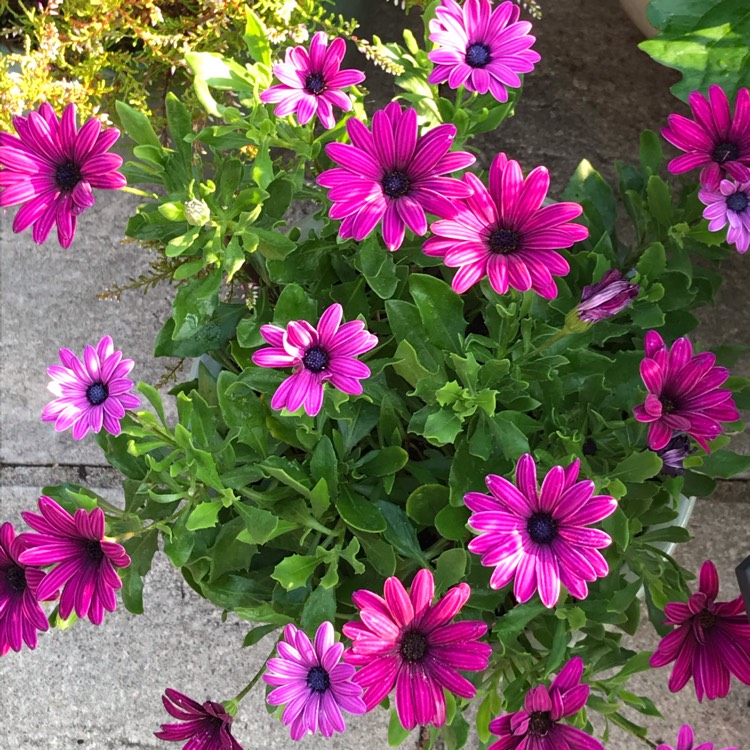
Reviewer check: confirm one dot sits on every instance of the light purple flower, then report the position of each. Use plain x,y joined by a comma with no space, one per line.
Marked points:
674,453
51,167
92,393
606,298
481,48
309,679
311,82
686,741
540,537
393,174
85,562
729,204
318,356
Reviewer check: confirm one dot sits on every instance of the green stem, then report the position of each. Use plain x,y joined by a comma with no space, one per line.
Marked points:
250,685
145,529
136,191
459,99
157,431
102,503
561,334
310,523
623,725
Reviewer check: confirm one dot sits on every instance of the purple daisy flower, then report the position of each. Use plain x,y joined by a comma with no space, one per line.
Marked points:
393,174
205,727
686,741
20,613
92,393
537,725
51,167
407,641
308,678
481,48
504,233
713,140
729,204
606,298
674,453
711,640
84,561
540,537
683,393
325,354
311,82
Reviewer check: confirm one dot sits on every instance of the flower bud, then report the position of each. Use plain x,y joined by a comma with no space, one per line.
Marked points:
197,212
673,454
605,299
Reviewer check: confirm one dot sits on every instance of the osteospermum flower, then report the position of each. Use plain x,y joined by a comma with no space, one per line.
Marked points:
674,453
20,613
540,537
318,356
686,741
51,168
714,140
504,233
711,640
311,82
92,393
309,679
538,724
683,393
406,641
481,48
729,204
393,174
85,562
606,298
205,726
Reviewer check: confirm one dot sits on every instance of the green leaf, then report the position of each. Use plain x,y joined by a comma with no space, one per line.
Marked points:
178,545
256,38
294,571
723,464
137,126
194,305
324,465
637,467
260,524
359,513
653,261
400,532
587,186
637,663
204,516
180,126
382,462
257,634
379,554
659,198
651,151
141,550
618,527
424,503
440,308
377,266
450,568
451,521
396,732
295,304
320,607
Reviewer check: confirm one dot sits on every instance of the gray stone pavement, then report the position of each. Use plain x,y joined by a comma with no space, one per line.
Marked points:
99,688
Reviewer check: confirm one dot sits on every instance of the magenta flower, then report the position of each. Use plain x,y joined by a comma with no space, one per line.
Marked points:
92,393
710,641
729,205
683,393
311,82
540,537
505,234
713,140
606,298
393,174
205,727
481,48
686,741
537,725
51,167
327,354
84,560
309,679
20,613
406,641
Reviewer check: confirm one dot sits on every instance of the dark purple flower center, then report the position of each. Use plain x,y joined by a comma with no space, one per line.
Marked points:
97,393
542,528
706,619
478,55
315,359
668,406
67,176
725,152
413,645
94,550
503,241
395,184
540,722
318,680
737,201
315,84
16,578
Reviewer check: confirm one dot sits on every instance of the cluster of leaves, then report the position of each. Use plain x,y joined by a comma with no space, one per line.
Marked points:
279,517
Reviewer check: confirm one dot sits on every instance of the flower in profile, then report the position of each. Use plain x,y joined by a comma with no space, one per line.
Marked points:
481,48
406,641
711,640
540,537
729,204
326,354
51,167
309,679
683,393
85,562
20,613
311,82
393,174
92,393
606,298
504,233
686,741
205,727
538,724
714,140
674,453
